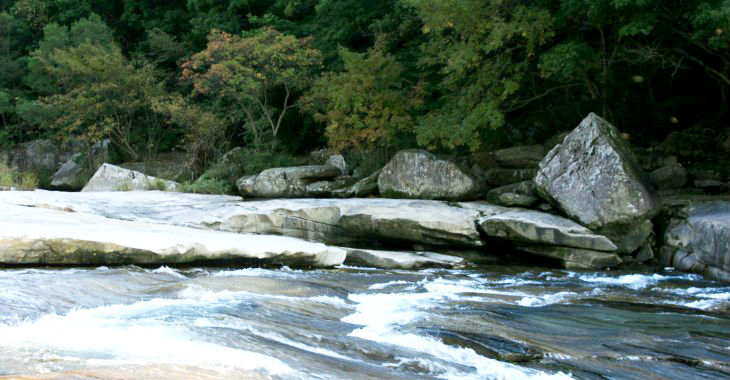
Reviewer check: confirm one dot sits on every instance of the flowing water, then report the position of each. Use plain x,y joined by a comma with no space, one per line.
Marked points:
361,323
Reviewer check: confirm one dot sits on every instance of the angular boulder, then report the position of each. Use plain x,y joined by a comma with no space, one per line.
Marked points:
114,178
673,176
593,178
288,182
75,172
41,236
399,259
339,162
418,174
536,227
700,240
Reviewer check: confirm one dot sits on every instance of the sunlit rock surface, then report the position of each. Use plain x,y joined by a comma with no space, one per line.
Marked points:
114,178
45,236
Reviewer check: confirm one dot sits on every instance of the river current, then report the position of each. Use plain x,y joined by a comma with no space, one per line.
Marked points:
361,323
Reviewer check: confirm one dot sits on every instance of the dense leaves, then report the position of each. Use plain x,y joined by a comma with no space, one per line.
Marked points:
357,75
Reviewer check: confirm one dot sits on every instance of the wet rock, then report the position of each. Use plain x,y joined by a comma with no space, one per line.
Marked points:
669,177
518,194
699,242
362,188
593,177
575,258
419,174
114,178
520,156
536,227
38,236
289,182
75,172
500,177
490,346
399,259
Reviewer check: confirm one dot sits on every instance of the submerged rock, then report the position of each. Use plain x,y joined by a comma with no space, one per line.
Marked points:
540,228
39,236
700,241
593,177
419,174
114,178
399,259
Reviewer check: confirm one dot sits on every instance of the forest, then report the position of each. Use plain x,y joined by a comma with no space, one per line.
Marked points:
281,78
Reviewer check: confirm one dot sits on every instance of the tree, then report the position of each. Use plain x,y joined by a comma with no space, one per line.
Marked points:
95,91
258,74
367,103
481,52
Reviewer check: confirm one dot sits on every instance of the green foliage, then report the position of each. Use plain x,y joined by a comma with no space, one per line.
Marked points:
10,178
206,186
157,184
246,72
367,103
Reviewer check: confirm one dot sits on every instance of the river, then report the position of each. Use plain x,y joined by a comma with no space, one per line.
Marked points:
361,323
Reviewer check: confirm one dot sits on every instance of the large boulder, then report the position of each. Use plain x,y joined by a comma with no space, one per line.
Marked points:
594,178
527,226
114,178
289,182
362,188
575,258
75,172
42,236
698,240
339,162
421,175
43,156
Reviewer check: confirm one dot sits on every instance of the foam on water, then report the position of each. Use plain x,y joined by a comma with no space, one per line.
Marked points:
382,316
130,334
167,270
634,281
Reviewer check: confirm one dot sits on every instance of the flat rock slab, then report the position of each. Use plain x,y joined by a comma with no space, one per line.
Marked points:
399,259
43,236
332,221
541,228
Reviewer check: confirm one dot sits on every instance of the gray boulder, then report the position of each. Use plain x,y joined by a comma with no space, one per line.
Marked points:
419,174
399,259
43,156
114,178
593,177
362,188
75,172
339,162
520,156
699,242
520,194
673,176
289,182
536,227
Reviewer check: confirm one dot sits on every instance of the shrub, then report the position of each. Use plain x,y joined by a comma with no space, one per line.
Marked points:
206,186
9,178
157,184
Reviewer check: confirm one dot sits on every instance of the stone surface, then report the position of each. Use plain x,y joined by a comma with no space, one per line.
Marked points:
536,227
362,188
669,177
575,258
699,242
114,178
339,162
419,174
593,177
42,156
520,156
75,172
289,182
497,177
517,194
399,259
41,236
